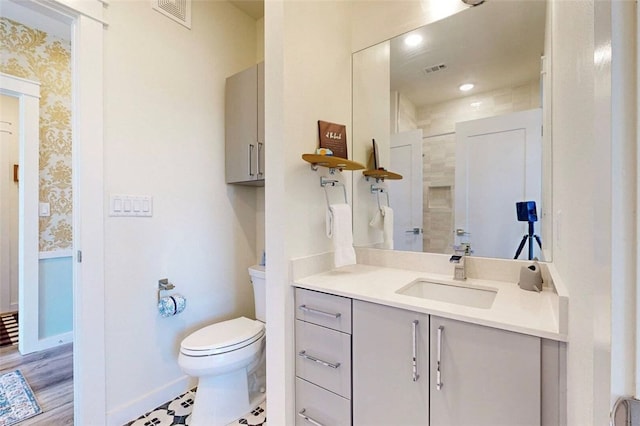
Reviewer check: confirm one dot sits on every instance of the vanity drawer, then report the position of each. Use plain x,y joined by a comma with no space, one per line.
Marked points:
323,357
324,309
320,406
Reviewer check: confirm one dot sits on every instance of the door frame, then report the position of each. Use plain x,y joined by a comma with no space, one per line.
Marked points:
414,181
89,361
28,94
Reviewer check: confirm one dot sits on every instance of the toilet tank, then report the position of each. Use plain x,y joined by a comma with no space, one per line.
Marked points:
257,274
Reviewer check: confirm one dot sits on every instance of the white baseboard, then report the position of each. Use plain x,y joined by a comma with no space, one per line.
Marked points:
52,341
134,409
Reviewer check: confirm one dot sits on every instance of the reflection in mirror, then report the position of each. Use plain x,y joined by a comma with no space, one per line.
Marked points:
457,108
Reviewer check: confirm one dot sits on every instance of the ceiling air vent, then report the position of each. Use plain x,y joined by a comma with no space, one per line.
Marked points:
178,10
434,68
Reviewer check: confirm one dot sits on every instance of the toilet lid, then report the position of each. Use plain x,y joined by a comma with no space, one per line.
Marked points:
222,337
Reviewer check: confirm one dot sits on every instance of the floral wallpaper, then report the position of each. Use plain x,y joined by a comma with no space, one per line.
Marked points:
35,55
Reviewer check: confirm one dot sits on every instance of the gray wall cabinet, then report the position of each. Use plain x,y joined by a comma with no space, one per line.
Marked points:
244,127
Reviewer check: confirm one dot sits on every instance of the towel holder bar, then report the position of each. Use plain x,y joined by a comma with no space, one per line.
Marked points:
379,190
324,182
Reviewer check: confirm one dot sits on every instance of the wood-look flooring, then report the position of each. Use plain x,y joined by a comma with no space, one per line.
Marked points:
50,375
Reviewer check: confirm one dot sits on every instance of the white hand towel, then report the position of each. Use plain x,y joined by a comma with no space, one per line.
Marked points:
387,229
339,226
378,220
383,220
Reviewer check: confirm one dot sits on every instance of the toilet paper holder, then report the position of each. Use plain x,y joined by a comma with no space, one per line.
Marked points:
164,285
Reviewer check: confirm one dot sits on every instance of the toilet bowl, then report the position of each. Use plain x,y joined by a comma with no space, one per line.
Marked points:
228,358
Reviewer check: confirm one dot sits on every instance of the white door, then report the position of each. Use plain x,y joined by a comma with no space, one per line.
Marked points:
498,163
9,115
28,95
405,195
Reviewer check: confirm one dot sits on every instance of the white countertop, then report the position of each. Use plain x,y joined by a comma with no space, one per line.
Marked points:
513,309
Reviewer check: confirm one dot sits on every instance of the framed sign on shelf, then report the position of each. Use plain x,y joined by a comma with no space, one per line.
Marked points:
334,137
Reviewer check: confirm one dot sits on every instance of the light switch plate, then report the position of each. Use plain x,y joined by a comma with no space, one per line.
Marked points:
44,210
131,205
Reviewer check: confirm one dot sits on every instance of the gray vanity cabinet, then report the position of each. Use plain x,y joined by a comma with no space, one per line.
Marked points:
366,364
485,376
323,359
389,387
244,127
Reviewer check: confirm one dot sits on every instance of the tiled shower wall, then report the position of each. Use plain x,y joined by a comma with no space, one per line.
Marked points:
438,128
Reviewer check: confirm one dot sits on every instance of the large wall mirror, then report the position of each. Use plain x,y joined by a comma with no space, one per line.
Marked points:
461,109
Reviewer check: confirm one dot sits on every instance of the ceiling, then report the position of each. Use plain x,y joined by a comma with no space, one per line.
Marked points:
253,8
494,45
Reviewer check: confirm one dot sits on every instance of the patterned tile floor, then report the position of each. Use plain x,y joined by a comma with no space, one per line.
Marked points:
178,413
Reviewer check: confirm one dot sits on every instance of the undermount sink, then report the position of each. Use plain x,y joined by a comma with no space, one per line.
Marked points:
459,294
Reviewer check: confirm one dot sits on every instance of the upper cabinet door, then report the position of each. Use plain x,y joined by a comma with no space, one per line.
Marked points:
241,126
485,377
390,349
261,146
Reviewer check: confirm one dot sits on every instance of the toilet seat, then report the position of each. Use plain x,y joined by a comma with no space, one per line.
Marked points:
222,337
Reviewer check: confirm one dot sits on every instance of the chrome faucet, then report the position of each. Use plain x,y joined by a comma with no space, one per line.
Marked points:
459,265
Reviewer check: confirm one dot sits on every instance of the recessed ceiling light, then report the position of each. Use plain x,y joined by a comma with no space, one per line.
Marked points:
413,40
466,87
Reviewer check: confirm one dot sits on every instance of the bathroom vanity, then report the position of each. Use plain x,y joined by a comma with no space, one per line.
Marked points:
377,346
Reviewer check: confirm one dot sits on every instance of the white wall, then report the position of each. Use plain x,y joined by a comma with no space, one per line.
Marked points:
308,78
625,320
164,137
371,100
591,115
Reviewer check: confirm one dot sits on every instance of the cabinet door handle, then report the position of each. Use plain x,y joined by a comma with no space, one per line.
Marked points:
304,355
307,418
414,361
439,383
250,159
305,308
258,159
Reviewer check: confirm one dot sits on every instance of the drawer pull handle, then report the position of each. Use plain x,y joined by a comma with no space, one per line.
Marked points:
414,360
305,308
304,355
250,153
309,419
439,383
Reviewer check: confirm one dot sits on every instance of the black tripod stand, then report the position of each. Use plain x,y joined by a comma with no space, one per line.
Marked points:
529,236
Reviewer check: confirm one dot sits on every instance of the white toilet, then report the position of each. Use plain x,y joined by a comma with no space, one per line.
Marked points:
229,360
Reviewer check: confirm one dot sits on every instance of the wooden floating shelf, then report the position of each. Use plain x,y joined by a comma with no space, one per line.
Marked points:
381,175
331,162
